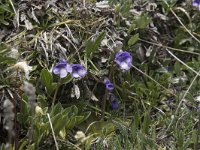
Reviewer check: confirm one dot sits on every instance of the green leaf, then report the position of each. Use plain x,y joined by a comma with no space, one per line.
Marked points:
4,22
132,28
31,147
74,110
79,119
52,87
180,139
56,118
22,116
66,111
61,123
177,68
24,107
42,101
102,127
23,144
142,21
38,133
5,8
67,79
7,60
86,115
56,109
46,77
133,39
74,121
146,123
47,80
92,46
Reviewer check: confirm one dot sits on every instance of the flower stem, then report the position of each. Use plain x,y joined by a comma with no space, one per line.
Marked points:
104,105
55,94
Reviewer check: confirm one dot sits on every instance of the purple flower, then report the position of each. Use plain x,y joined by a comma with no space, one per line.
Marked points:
124,60
78,71
62,68
196,3
109,85
114,104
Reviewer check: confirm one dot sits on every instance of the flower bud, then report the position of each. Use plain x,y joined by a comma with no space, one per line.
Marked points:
79,135
39,111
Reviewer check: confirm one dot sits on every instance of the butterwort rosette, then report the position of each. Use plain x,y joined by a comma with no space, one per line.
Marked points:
109,85
78,71
124,60
196,3
62,68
